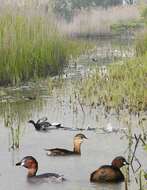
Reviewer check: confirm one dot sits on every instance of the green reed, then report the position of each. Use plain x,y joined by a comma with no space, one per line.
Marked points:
12,122
31,47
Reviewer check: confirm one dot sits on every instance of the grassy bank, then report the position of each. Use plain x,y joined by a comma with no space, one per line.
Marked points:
123,85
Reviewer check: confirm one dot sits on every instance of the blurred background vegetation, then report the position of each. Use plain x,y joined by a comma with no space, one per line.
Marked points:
67,8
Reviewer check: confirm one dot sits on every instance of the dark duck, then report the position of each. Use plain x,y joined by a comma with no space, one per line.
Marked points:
110,173
31,164
43,125
78,140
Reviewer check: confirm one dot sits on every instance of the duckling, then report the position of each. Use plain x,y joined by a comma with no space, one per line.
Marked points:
43,124
31,164
110,173
78,140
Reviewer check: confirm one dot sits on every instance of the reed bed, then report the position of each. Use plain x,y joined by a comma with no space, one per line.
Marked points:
31,47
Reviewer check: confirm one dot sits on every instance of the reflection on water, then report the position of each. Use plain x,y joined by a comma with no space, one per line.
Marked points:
61,104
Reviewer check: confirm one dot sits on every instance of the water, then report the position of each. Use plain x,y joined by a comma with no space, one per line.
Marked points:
34,101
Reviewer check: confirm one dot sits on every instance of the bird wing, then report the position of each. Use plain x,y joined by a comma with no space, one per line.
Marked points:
43,119
106,174
53,176
58,152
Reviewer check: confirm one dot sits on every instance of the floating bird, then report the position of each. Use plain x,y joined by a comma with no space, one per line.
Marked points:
78,140
31,164
43,125
110,173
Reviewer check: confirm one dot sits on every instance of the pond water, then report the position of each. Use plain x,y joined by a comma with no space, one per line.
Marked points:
35,101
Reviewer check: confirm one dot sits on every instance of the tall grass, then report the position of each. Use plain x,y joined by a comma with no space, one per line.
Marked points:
30,47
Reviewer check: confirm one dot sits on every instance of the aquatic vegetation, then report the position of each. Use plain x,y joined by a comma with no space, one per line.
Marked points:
136,169
31,47
122,87
12,122
28,49
77,47
14,115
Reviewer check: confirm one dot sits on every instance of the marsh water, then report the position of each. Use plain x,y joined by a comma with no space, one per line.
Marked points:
59,104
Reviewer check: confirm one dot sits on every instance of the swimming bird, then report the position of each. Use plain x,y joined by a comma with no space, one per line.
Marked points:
110,173
43,124
31,164
78,140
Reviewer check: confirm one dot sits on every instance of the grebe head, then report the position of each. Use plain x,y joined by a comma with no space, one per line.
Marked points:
119,162
79,138
30,163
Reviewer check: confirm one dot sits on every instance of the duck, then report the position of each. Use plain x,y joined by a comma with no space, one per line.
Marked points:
110,173
43,125
78,140
31,164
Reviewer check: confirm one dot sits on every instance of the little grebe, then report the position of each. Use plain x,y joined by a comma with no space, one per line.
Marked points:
78,139
31,164
110,173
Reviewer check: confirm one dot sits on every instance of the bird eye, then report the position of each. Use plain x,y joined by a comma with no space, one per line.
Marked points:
23,163
125,163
